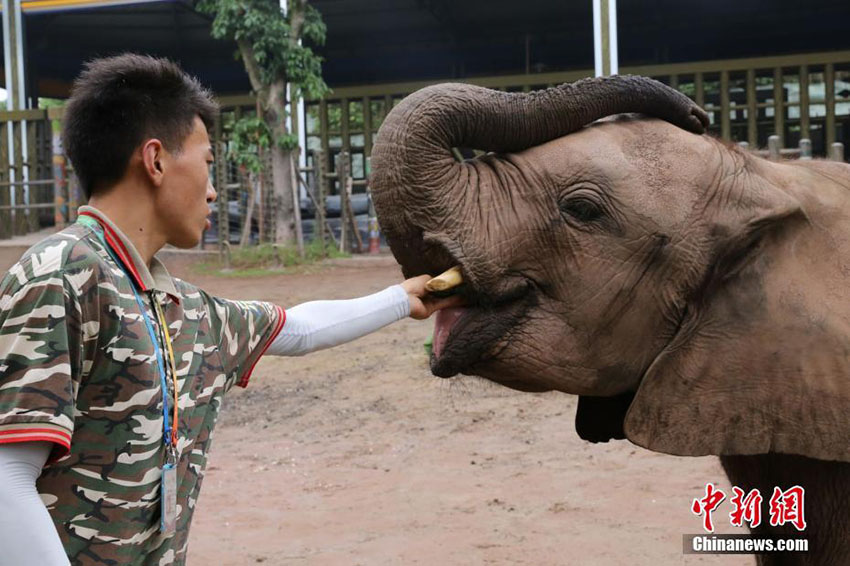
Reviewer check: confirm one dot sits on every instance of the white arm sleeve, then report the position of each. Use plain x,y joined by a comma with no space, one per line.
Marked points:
322,324
27,534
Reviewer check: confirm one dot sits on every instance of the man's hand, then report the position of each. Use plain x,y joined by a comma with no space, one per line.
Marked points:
423,304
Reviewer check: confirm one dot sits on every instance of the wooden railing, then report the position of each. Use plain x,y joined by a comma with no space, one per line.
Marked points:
794,97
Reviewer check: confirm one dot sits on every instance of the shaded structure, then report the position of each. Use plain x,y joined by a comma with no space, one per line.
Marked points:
61,35
402,40
760,67
380,41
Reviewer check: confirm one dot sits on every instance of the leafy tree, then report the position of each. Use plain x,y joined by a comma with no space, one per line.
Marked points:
50,103
269,43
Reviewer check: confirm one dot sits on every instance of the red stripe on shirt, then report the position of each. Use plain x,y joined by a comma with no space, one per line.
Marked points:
35,430
281,321
60,450
30,437
60,438
120,250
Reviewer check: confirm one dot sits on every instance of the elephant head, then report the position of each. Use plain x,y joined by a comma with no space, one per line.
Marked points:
693,295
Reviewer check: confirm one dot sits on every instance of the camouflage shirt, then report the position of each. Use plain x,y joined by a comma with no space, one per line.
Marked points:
78,368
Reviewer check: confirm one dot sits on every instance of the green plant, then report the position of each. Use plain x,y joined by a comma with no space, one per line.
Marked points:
265,258
270,45
248,138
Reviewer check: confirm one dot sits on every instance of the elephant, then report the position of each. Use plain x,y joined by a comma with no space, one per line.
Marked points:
692,294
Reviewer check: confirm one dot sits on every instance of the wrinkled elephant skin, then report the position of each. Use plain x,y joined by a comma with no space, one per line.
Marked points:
695,296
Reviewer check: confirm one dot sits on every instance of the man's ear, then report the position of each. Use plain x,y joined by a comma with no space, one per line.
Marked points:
153,154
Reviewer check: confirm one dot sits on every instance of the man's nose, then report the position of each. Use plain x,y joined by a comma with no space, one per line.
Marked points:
211,194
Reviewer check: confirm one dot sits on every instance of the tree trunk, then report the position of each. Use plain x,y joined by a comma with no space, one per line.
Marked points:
273,104
245,240
283,213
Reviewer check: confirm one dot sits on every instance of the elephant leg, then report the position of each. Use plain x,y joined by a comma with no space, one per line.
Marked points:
826,504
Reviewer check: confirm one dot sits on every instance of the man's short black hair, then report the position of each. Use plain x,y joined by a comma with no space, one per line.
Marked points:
119,102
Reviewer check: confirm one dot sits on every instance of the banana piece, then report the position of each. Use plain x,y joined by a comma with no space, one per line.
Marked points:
445,281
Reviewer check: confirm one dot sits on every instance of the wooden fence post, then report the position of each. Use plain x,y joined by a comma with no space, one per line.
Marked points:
316,187
296,201
352,219
319,171
59,179
20,224
221,189
5,189
31,164
342,175
75,194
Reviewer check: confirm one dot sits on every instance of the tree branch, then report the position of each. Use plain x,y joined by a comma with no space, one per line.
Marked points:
251,65
296,21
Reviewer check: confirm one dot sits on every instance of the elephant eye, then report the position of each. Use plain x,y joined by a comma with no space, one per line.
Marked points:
582,209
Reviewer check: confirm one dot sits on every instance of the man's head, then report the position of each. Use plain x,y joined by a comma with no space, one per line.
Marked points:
119,102
144,119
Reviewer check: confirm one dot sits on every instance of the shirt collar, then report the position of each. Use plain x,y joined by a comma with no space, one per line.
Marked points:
156,278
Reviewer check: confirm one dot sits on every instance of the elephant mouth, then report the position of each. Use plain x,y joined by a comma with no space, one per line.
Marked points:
495,301
469,336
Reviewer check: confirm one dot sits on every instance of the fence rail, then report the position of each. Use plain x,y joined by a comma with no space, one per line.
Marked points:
27,195
801,96
795,97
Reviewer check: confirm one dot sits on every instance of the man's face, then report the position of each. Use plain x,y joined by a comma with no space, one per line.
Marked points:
186,191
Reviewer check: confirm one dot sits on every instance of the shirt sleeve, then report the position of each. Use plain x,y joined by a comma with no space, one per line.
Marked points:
243,330
40,352
323,324
27,533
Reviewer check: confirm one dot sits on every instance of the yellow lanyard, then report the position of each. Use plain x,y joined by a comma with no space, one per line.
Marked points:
171,442
167,337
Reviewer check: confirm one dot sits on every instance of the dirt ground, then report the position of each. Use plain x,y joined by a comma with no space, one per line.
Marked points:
358,455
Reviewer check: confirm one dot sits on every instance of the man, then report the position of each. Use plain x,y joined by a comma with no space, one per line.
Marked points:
111,372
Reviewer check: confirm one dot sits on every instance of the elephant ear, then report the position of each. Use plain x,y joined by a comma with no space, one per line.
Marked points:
762,362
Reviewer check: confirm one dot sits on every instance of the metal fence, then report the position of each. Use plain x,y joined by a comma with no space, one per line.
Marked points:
327,195
796,97
27,178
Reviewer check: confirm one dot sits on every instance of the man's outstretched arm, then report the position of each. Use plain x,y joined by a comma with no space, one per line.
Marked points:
27,534
323,324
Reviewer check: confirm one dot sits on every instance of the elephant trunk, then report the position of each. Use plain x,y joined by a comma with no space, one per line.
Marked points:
412,159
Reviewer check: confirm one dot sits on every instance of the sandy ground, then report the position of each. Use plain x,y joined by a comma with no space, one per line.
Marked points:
358,456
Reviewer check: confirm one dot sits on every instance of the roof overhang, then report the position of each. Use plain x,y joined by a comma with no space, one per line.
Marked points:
382,41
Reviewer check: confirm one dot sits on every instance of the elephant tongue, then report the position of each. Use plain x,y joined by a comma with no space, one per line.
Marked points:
443,324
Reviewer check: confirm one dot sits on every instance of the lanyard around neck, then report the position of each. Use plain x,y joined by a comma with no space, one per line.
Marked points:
169,435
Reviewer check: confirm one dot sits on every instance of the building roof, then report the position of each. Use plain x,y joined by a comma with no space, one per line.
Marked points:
44,6
374,41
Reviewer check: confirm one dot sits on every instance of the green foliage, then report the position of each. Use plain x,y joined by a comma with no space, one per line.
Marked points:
262,24
688,89
270,45
50,103
334,117
287,142
269,256
259,260
355,116
248,137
